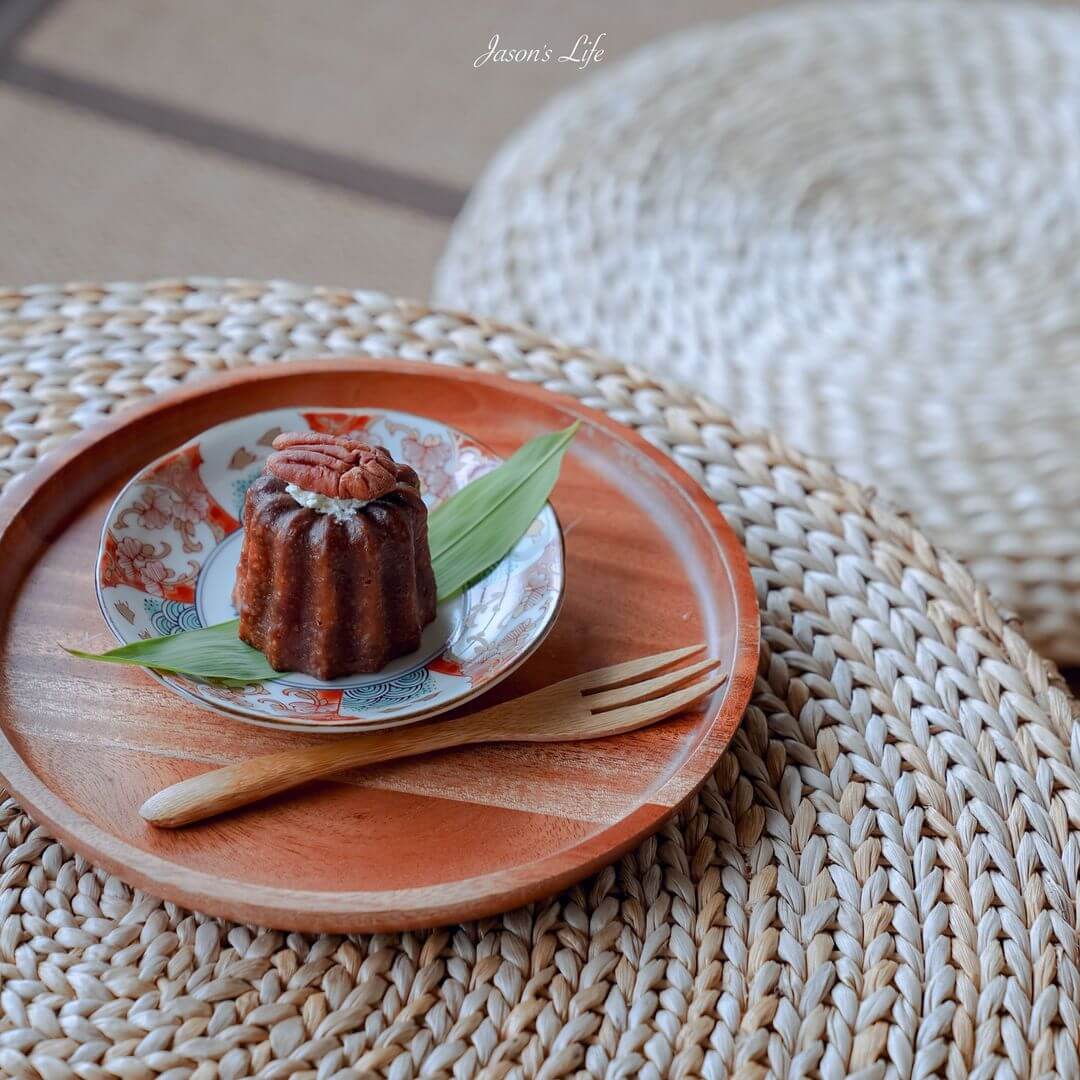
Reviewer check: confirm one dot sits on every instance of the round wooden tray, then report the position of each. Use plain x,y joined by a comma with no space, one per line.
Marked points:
651,565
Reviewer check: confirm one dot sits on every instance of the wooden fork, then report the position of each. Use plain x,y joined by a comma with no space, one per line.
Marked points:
607,701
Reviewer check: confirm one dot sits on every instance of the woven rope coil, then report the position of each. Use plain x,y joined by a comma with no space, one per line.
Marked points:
856,225
880,880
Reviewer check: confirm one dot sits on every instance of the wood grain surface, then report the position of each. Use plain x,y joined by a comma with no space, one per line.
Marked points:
651,566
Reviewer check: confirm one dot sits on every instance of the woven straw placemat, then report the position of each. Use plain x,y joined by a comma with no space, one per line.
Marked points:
881,879
855,224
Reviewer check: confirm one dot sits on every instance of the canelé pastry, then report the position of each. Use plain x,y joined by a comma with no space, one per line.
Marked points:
335,573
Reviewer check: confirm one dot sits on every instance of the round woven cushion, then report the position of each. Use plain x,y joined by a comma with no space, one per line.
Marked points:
856,225
882,875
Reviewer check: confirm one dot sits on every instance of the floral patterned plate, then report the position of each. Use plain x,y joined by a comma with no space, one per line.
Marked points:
171,541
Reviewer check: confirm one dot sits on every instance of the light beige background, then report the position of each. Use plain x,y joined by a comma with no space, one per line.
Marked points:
122,123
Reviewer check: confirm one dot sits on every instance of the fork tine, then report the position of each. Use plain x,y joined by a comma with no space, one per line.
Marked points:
603,678
642,691
630,717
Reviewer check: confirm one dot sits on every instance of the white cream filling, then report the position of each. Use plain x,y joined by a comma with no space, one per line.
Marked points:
339,509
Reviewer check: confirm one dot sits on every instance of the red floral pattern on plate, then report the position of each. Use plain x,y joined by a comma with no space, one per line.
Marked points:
431,457
173,494
537,582
337,423
313,704
127,560
310,703
431,454
488,657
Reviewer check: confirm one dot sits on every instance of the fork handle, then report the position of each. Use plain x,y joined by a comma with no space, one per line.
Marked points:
227,788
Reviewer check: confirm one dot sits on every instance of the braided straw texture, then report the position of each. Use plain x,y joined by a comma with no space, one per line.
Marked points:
880,880
855,225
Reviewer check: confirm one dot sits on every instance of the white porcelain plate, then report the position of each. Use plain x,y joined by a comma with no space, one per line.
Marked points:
171,541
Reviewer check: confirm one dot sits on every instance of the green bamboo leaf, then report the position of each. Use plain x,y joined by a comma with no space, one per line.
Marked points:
468,535
479,525
213,652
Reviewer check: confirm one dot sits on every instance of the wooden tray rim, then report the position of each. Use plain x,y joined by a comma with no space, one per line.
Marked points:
383,910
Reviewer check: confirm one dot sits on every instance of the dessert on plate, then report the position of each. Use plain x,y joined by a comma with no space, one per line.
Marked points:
335,574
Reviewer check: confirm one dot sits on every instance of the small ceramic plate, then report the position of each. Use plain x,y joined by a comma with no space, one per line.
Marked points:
171,542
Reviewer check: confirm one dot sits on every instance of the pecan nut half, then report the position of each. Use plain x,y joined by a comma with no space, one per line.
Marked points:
336,466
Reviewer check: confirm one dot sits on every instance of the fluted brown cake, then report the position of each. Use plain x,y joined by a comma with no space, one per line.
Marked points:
335,573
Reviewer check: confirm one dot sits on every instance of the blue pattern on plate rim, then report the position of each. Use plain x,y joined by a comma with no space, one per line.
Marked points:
239,490
171,616
396,691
